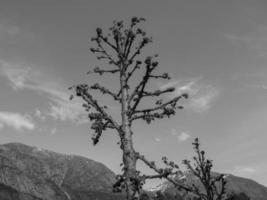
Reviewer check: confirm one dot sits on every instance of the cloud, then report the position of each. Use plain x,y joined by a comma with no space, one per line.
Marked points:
259,87
40,115
201,95
255,41
53,131
244,170
182,137
8,29
24,77
64,110
202,101
157,139
16,121
16,75
258,36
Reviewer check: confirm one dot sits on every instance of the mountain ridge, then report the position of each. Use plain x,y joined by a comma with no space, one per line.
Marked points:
234,185
33,173
45,174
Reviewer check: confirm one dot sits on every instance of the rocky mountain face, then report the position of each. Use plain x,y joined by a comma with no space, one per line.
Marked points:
235,185
30,173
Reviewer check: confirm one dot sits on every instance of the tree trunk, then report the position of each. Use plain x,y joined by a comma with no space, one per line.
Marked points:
129,160
129,156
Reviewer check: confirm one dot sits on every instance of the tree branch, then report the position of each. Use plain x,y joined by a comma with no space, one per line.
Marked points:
176,99
105,91
156,176
158,92
142,44
163,174
105,40
82,91
150,66
163,76
101,49
99,71
129,74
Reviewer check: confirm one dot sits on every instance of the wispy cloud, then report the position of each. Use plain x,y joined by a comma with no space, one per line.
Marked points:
259,87
53,131
16,121
201,95
241,170
157,139
22,77
245,39
203,100
252,81
255,41
16,74
8,29
182,137
39,115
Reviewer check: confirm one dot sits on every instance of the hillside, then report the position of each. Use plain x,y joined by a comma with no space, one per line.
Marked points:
235,185
30,173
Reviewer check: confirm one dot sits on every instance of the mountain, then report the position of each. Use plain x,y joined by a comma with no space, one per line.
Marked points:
31,173
251,188
235,185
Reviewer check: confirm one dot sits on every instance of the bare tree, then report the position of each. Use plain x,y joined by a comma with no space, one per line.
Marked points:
211,185
122,48
214,185
208,185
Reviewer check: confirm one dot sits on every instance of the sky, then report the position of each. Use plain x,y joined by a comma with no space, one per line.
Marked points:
216,51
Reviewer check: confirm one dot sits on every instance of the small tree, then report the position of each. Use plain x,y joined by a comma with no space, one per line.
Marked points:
210,186
214,185
121,48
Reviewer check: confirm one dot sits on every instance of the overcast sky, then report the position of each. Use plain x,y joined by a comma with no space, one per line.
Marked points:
214,50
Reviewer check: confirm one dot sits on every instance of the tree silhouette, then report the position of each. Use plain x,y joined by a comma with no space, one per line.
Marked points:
204,184
210,186
122,49
214,185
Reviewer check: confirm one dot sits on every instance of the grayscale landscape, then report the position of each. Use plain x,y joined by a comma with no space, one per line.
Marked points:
133,100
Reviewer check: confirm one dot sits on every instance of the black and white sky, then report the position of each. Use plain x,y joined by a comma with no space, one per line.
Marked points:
215,50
